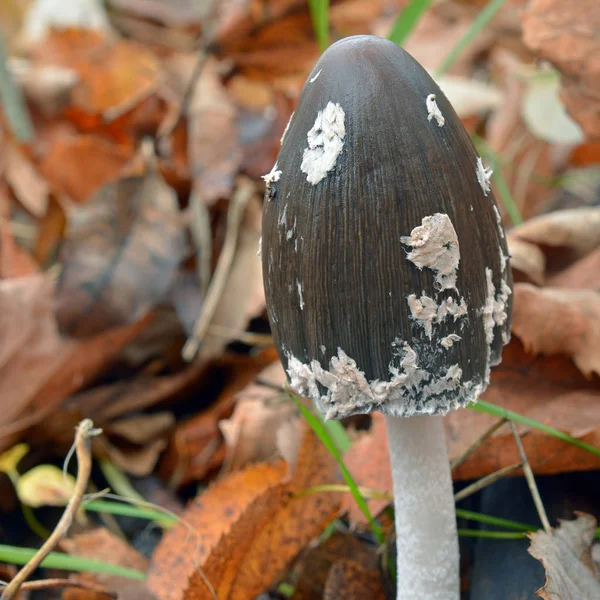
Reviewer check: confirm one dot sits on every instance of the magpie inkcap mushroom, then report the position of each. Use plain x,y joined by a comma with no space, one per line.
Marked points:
386,275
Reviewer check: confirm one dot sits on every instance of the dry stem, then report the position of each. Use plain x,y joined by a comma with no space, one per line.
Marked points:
49,584
84,431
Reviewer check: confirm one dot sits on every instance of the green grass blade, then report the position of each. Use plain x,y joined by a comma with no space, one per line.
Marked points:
480,21
337,433
322,433
407,20
504,194
57,560
496,535
128,510
319,12
497,411
497,521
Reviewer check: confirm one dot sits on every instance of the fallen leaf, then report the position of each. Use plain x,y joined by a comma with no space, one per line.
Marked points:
251,431
142,428
566,554
114,76
564,236
103,546
565,36
120,255
368,459
45,485
243,296
349,580
79,165
15,261
557,321
544,113
527,261
584,274
312,570
273,529
185,547
29,188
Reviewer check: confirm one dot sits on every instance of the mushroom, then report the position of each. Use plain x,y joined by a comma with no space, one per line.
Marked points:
386,276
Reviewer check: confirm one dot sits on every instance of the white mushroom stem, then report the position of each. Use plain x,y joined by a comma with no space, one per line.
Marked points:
426,537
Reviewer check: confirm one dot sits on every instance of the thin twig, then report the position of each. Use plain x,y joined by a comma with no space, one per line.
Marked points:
537,500
221,275
486,434
485,481
49,584
84,431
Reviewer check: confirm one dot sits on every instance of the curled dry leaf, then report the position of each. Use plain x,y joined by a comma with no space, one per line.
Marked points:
566,553
584,274
526,259
103,546
559,321
120,255
566,36
564,236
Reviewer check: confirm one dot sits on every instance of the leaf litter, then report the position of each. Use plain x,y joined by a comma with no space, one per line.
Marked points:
107,259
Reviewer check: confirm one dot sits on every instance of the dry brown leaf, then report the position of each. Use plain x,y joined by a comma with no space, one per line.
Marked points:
526,259
31,348
29,188
584,274
566,553
196,447
251,431
368,460
114,76
274,528
243,296
79,165
103,546
559,321
188,545
141,428
313,568
14,260
566,35
349,580
120,255
564,236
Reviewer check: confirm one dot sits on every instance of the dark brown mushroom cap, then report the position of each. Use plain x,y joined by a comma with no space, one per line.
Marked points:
384,260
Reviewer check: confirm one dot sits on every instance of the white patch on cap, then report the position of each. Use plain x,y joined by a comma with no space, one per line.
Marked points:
435,245
433,111
410,390
286,129
449,340
271,177
259,251
499,221
325,143
494,314
452,308
300,297
483,176
315,77
423,310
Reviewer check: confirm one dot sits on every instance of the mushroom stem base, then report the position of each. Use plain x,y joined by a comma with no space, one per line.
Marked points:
426,538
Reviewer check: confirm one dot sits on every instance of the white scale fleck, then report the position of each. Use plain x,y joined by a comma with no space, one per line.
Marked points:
315,77
425,311
449,340
435,245
483,176
433,111
300,297
322,348
325,143
410,390
286,129
271,177
259,251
